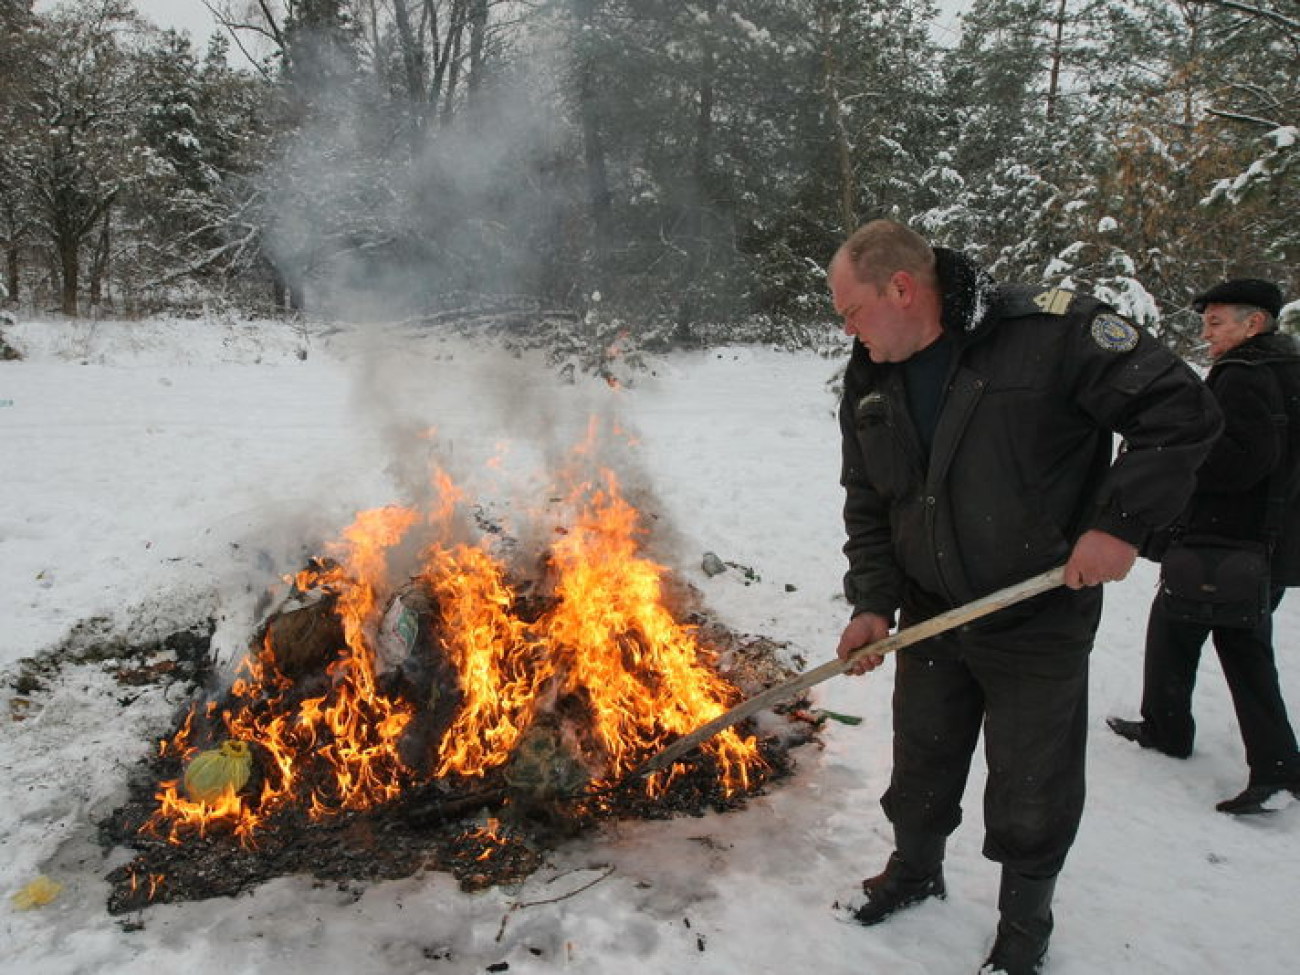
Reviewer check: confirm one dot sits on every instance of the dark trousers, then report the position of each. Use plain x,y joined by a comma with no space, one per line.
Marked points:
1173,652
1033,706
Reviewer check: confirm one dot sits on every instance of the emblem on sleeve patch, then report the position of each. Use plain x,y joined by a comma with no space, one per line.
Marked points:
1055,301
1114,334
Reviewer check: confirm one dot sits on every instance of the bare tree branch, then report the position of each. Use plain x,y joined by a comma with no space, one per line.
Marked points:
1290,24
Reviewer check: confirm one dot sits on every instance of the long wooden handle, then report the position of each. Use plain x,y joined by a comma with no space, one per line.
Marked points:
897,641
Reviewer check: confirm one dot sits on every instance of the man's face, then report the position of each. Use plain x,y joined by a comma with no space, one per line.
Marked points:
1225,327
875,317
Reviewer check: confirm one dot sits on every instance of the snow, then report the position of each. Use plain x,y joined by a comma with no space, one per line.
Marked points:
157,471
1284,136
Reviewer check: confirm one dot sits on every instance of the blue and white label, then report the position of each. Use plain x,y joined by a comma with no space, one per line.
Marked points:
1113,334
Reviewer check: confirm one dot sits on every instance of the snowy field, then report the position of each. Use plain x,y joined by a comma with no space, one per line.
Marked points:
152,473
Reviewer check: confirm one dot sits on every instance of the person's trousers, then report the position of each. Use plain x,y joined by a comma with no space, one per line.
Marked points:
1173,653
1033,706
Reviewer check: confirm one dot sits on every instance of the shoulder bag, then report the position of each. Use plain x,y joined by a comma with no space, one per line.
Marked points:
1216,581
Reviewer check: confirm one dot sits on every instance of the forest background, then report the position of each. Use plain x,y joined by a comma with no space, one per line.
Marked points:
569,166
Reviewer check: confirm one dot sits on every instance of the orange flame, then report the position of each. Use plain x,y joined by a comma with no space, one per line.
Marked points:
486,645
153,880
609,643
640,668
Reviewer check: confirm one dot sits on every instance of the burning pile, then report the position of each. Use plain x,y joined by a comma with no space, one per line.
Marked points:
452,722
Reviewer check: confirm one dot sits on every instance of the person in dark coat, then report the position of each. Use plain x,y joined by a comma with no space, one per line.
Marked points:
977,425
1255,377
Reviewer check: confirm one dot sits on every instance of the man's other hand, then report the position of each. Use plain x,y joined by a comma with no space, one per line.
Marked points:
862,629
1097,558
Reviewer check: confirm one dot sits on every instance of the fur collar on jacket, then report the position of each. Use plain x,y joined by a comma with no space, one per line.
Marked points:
1260,349
968,294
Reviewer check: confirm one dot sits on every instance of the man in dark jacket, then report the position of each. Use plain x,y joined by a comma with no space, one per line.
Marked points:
1255,377
977,424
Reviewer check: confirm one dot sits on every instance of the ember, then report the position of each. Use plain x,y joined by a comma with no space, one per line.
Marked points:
457,720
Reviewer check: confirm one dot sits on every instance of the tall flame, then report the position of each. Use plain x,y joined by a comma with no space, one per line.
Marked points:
621,646
488,647
609,643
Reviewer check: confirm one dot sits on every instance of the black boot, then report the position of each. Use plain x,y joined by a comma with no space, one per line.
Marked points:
913,874
1025,926
1140,732
1260,799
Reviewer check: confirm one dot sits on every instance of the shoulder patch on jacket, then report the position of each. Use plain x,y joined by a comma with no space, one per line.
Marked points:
1022,300
1113,334
1054,301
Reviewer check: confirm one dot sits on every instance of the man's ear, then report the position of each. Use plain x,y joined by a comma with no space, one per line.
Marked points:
903,287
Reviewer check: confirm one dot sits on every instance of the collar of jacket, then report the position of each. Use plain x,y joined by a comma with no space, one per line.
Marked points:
968,294
1262,349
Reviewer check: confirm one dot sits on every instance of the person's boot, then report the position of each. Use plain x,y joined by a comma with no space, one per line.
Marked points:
1140,733
1257,800
1025,926
914,873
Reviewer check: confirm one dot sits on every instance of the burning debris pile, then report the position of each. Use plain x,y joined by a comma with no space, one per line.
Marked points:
460,721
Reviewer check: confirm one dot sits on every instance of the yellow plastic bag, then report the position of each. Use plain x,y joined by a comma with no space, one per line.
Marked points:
38,893
210,773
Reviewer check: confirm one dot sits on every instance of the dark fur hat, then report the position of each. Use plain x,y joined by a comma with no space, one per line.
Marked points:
1242,291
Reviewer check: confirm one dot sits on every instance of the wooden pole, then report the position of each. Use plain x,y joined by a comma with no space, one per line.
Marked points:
897,641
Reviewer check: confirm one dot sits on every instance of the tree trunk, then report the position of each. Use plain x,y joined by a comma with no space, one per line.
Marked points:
412,55
478,20
439,66
698,194
69,271
11,272
99,264
451,60
279,293
1058,54
599,198
847,195
1193,20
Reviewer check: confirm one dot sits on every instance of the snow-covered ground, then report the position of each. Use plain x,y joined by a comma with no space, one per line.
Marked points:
153,472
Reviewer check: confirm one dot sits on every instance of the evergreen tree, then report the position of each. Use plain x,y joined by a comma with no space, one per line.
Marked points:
1255,108
1208,105
1038,85
202,131
84,97
732,145
176,182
